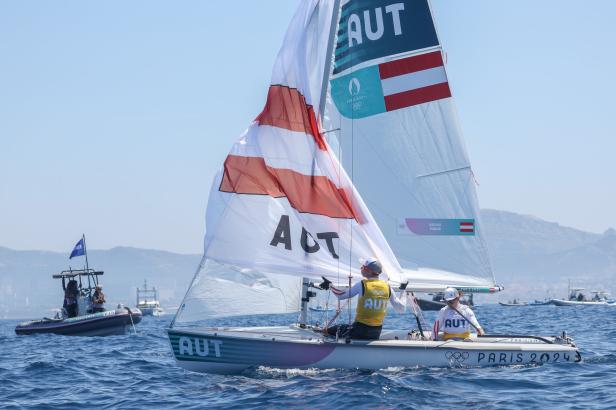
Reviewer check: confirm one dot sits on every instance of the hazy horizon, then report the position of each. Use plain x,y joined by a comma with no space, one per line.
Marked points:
120,245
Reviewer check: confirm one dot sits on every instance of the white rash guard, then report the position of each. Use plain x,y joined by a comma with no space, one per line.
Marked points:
449,321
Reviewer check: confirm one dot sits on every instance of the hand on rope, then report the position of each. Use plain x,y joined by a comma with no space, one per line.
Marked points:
325,284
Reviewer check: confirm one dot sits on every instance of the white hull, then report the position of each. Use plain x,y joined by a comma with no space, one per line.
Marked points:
512,304
232,350
561,302
151,311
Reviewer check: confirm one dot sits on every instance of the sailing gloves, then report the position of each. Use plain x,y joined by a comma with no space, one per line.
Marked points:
325,284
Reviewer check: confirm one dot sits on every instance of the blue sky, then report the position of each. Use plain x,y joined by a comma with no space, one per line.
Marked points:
114,116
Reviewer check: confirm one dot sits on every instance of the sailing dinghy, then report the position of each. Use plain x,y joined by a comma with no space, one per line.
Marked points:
359,108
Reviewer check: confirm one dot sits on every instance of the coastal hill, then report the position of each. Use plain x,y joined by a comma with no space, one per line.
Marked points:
534,258
27,288
531,257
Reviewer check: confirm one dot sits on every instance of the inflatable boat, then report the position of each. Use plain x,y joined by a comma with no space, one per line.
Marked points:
111,322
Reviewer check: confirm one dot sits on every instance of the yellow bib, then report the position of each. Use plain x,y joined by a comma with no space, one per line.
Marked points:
372,304
462,336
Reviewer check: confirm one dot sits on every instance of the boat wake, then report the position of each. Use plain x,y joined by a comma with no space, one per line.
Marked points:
274,372
601,359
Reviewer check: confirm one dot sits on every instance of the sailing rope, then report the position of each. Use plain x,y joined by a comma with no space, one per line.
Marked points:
421,320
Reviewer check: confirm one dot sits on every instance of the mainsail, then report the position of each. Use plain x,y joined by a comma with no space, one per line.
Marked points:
391,114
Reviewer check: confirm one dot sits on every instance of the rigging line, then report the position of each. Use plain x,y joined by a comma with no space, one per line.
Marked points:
339,222
353,58
181,308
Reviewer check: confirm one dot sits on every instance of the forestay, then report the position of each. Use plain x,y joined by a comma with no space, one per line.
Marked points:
391,112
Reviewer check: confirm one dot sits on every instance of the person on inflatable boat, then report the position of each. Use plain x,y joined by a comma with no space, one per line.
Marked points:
455,319
374,294
98,300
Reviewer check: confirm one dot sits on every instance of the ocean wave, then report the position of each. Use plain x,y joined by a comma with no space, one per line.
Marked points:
138,371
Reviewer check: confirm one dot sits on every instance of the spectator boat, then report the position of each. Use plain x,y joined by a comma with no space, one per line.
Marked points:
85,322
147,301
577,297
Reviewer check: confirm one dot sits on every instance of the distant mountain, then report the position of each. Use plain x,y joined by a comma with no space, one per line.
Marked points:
535,258
27,288
531,258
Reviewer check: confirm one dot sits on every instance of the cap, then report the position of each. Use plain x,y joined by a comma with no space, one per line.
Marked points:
99,286
451,294
372,264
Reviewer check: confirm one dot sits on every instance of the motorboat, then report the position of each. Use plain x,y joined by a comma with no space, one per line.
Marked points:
147,301
84,321
544,302
514,302
110,322
577,297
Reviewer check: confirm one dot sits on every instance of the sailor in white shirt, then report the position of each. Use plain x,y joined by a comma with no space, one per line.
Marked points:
455,319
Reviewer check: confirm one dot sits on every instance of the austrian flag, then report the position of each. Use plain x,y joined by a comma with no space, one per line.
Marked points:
414,80
391,86
467,227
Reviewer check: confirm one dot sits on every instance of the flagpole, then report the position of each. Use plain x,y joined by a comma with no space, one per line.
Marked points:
85,251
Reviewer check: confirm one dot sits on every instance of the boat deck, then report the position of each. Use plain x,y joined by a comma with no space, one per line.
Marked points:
296,334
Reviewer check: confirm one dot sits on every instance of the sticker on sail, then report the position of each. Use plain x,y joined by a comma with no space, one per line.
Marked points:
370,29
448,227
391,86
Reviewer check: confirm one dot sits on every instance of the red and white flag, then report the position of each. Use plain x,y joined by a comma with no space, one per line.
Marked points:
414,80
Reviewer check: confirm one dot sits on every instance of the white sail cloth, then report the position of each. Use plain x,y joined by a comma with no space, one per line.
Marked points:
282,204
420,156
391,112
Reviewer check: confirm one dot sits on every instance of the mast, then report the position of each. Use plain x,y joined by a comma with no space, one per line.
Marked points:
85,250
329,55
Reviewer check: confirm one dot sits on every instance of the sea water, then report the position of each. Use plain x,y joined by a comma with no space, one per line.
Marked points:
138,371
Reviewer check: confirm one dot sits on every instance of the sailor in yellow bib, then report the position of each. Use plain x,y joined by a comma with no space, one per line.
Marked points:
455,319
374,295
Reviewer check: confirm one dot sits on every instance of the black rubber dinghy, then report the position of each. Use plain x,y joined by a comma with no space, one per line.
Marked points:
112,322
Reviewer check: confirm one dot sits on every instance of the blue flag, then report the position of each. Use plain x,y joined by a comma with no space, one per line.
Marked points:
78,250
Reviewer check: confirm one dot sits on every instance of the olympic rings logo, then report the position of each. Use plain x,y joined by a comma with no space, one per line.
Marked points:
456,357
